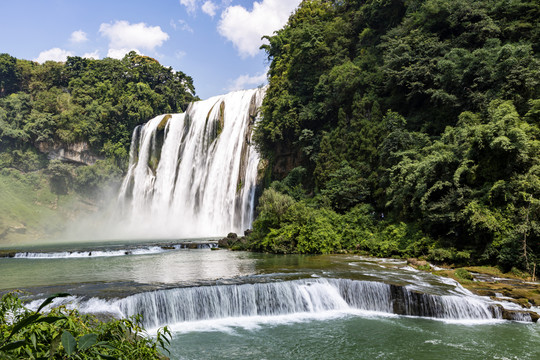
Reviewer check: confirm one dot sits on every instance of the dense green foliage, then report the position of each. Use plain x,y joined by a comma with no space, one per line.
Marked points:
97,102
66,334
427,112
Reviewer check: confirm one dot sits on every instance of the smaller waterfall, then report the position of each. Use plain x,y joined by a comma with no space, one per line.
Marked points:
122,251
304,297
194,174
173,306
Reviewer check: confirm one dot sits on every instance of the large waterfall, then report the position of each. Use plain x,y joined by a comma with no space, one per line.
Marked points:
194,174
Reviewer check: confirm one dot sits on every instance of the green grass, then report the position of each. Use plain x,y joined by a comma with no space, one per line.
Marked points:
28,209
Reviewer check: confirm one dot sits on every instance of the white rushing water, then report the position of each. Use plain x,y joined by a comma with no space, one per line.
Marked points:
298,296
141,250
290,299
194,174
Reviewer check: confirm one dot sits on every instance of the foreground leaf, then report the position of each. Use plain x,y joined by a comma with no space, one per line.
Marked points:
69,343
87,341
13,345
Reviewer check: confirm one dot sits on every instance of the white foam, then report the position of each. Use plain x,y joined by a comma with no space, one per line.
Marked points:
88,254
228,325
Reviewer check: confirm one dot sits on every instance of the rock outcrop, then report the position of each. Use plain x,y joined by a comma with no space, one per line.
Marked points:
77,152
232,239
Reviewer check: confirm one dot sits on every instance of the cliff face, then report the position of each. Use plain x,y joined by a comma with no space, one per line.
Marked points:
286,158
78,152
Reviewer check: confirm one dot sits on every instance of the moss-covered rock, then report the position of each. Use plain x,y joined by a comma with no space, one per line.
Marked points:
221,118
163,123
463,274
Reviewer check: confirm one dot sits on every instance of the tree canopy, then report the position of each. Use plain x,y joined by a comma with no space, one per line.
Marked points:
84,100
426,111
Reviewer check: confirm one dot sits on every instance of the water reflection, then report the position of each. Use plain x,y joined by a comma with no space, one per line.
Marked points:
171,268
196,266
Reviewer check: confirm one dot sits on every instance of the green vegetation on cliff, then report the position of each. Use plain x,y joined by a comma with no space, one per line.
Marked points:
415,127
85,105
98,102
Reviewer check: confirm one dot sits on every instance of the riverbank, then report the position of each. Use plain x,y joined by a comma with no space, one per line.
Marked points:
489,281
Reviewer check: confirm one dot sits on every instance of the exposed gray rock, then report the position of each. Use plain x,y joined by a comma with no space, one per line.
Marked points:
77,152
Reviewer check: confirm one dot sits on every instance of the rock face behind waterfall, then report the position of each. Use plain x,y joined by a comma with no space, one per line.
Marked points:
194,174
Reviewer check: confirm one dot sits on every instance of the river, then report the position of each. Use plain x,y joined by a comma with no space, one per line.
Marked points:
229,305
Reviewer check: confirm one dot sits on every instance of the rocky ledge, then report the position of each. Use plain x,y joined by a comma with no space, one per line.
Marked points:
233,240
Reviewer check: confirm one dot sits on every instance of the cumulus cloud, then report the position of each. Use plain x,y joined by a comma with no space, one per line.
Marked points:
245,28
124,37
209,8
78,36
55,54
246,81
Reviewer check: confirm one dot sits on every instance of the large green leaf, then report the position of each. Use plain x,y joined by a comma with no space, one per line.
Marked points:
87,341
13,345
33,340
69,343
50,299
23,323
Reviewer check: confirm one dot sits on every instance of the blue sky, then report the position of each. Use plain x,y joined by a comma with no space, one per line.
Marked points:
214,41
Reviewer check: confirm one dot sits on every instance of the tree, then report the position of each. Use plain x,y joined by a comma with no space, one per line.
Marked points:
9,77
60,177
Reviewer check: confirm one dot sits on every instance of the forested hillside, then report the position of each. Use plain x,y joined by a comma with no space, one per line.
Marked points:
84,106
94,101
406,128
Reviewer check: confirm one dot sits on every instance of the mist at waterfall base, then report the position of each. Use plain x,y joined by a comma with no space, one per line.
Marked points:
190,175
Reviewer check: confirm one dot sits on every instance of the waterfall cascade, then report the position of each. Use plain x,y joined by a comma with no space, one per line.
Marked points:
194,174
306,296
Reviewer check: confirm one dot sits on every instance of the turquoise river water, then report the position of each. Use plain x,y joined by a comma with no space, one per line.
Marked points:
237,305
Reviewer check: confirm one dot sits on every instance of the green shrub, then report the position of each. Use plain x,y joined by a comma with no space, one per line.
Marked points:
440,255
449,255
272,207
463,274
66,334
318,232
90,180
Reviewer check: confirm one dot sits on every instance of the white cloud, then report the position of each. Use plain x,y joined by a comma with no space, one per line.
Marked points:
120,53
245,28
78,36
55,54
92,55
184,26
209,8
191,5
246,81
124,37
180,54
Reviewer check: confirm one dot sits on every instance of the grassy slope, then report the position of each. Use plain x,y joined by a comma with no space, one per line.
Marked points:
29,211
